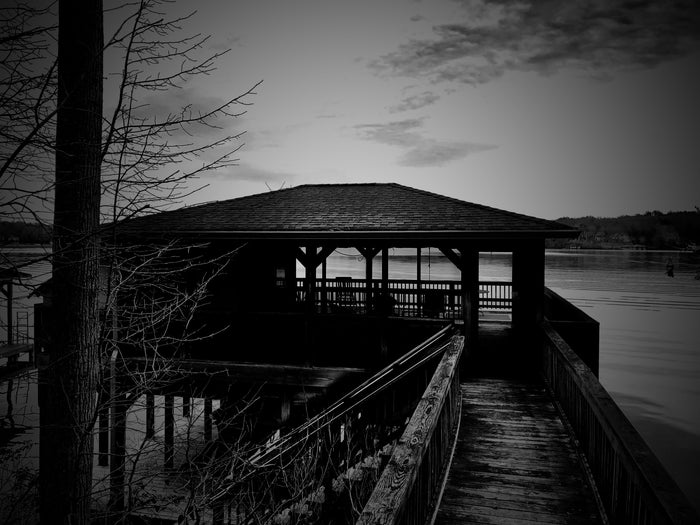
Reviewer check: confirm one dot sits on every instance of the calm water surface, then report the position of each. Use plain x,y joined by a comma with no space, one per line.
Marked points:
649,333
649,339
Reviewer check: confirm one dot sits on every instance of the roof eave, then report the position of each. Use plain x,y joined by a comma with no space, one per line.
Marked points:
326,235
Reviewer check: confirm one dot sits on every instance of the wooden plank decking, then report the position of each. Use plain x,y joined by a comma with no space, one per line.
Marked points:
514,460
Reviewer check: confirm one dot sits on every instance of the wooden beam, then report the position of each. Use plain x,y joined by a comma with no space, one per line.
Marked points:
454,257
323,254
252,373
313,257
368,253
301,257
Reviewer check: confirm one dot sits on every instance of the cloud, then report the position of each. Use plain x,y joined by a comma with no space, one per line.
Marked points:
227,43
594,36
420,152
246,173
415,102
434,153
397,133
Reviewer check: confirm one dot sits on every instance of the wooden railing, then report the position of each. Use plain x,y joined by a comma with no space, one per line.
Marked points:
384,401
409,297
410,485
632,484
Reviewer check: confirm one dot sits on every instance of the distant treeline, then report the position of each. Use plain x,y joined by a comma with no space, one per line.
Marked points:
653,230
24,233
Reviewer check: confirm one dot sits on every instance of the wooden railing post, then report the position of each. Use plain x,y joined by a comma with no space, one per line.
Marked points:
169,439
410,484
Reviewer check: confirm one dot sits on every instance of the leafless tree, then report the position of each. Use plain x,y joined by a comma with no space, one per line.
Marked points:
28,108
70,380
150,293
133,161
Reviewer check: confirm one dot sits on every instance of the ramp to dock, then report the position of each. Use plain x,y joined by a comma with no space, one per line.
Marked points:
514,461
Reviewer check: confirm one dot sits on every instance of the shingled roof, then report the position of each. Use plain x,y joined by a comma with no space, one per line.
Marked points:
344,211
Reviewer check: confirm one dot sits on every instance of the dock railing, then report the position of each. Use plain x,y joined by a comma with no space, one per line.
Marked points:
632,484
410,297
390,394
410,485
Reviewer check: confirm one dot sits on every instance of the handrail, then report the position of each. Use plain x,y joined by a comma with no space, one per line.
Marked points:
633,485
410,296
371,387
409,487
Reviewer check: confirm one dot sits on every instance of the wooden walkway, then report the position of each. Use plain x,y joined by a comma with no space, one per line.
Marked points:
514,460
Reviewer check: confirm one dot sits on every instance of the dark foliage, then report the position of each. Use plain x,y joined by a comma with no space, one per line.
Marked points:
24,233
652,230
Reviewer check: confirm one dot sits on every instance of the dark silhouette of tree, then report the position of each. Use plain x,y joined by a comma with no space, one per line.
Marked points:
70,381
133,161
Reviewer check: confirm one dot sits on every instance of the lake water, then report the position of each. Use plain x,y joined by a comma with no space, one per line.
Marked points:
649,339
649,333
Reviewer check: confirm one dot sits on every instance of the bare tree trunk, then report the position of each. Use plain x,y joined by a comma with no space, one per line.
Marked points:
70,381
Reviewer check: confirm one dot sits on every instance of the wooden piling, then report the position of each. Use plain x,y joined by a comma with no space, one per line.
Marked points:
169,441
207,419
150,416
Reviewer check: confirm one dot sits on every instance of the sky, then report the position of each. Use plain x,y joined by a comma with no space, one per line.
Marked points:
551,109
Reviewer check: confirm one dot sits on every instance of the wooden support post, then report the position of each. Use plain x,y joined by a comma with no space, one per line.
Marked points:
103,428
324,288
8,295
368,254
385,271
169,441
310,307
118,440
207,419
470,296
528,288
310,277
418,276
117,455
186,405
150,416
368,276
